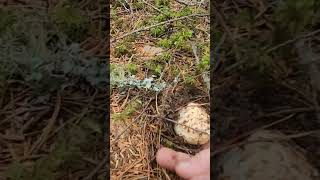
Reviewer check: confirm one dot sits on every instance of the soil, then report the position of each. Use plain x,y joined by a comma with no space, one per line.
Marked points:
242,105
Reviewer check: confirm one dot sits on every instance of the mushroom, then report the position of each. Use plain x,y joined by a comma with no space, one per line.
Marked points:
265,159
193,124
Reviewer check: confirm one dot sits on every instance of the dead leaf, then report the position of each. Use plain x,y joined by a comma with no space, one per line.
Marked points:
149,52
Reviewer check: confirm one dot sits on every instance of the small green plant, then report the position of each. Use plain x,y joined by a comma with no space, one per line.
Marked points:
180,37
155,67
175,71
177,40
204,64
161,3
140,23
138,4
123,49
184,12
165,43
132,68
158,31
161,17
164,57
71,20
189,80
128,111
119,22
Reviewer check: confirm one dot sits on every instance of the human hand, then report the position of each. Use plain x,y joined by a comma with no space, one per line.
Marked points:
188,167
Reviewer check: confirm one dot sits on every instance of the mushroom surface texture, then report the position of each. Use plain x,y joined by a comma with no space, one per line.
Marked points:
193,124
266,159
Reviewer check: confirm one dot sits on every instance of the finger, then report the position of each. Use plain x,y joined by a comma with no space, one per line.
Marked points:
205,146
197,165
168,158
204,177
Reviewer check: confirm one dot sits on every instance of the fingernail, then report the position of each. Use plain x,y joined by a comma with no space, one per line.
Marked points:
184,165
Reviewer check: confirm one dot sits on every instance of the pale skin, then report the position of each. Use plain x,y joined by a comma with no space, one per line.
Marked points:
188,167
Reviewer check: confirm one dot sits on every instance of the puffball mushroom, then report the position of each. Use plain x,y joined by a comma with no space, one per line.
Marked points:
266,160
191,118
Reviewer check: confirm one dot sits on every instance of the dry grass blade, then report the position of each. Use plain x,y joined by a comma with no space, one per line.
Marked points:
289,111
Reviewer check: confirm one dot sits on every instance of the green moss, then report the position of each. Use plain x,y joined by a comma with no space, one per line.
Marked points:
123,49
165,43
175,71
132,68
184,12
140,23
138,4
71,20
161,3
155,67
189,80
128,111
165,57
177,40
158,31
204,64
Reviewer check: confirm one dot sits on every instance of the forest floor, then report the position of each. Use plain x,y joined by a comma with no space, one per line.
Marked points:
52,89
159,54
265,72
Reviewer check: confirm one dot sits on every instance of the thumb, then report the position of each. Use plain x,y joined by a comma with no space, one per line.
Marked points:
198,165
168,158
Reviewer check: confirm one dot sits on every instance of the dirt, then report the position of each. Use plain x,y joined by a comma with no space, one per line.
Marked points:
133,153
242,104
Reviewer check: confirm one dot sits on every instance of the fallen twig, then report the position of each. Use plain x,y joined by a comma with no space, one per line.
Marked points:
46,131
289,111
175,122
158,24
292,41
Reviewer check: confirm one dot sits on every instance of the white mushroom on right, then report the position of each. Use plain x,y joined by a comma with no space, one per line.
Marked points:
266,159
193,124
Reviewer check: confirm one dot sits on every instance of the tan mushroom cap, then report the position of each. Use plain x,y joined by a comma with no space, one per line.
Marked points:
265,160
195,117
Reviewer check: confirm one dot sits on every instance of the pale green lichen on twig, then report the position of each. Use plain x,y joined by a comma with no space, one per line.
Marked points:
120,78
